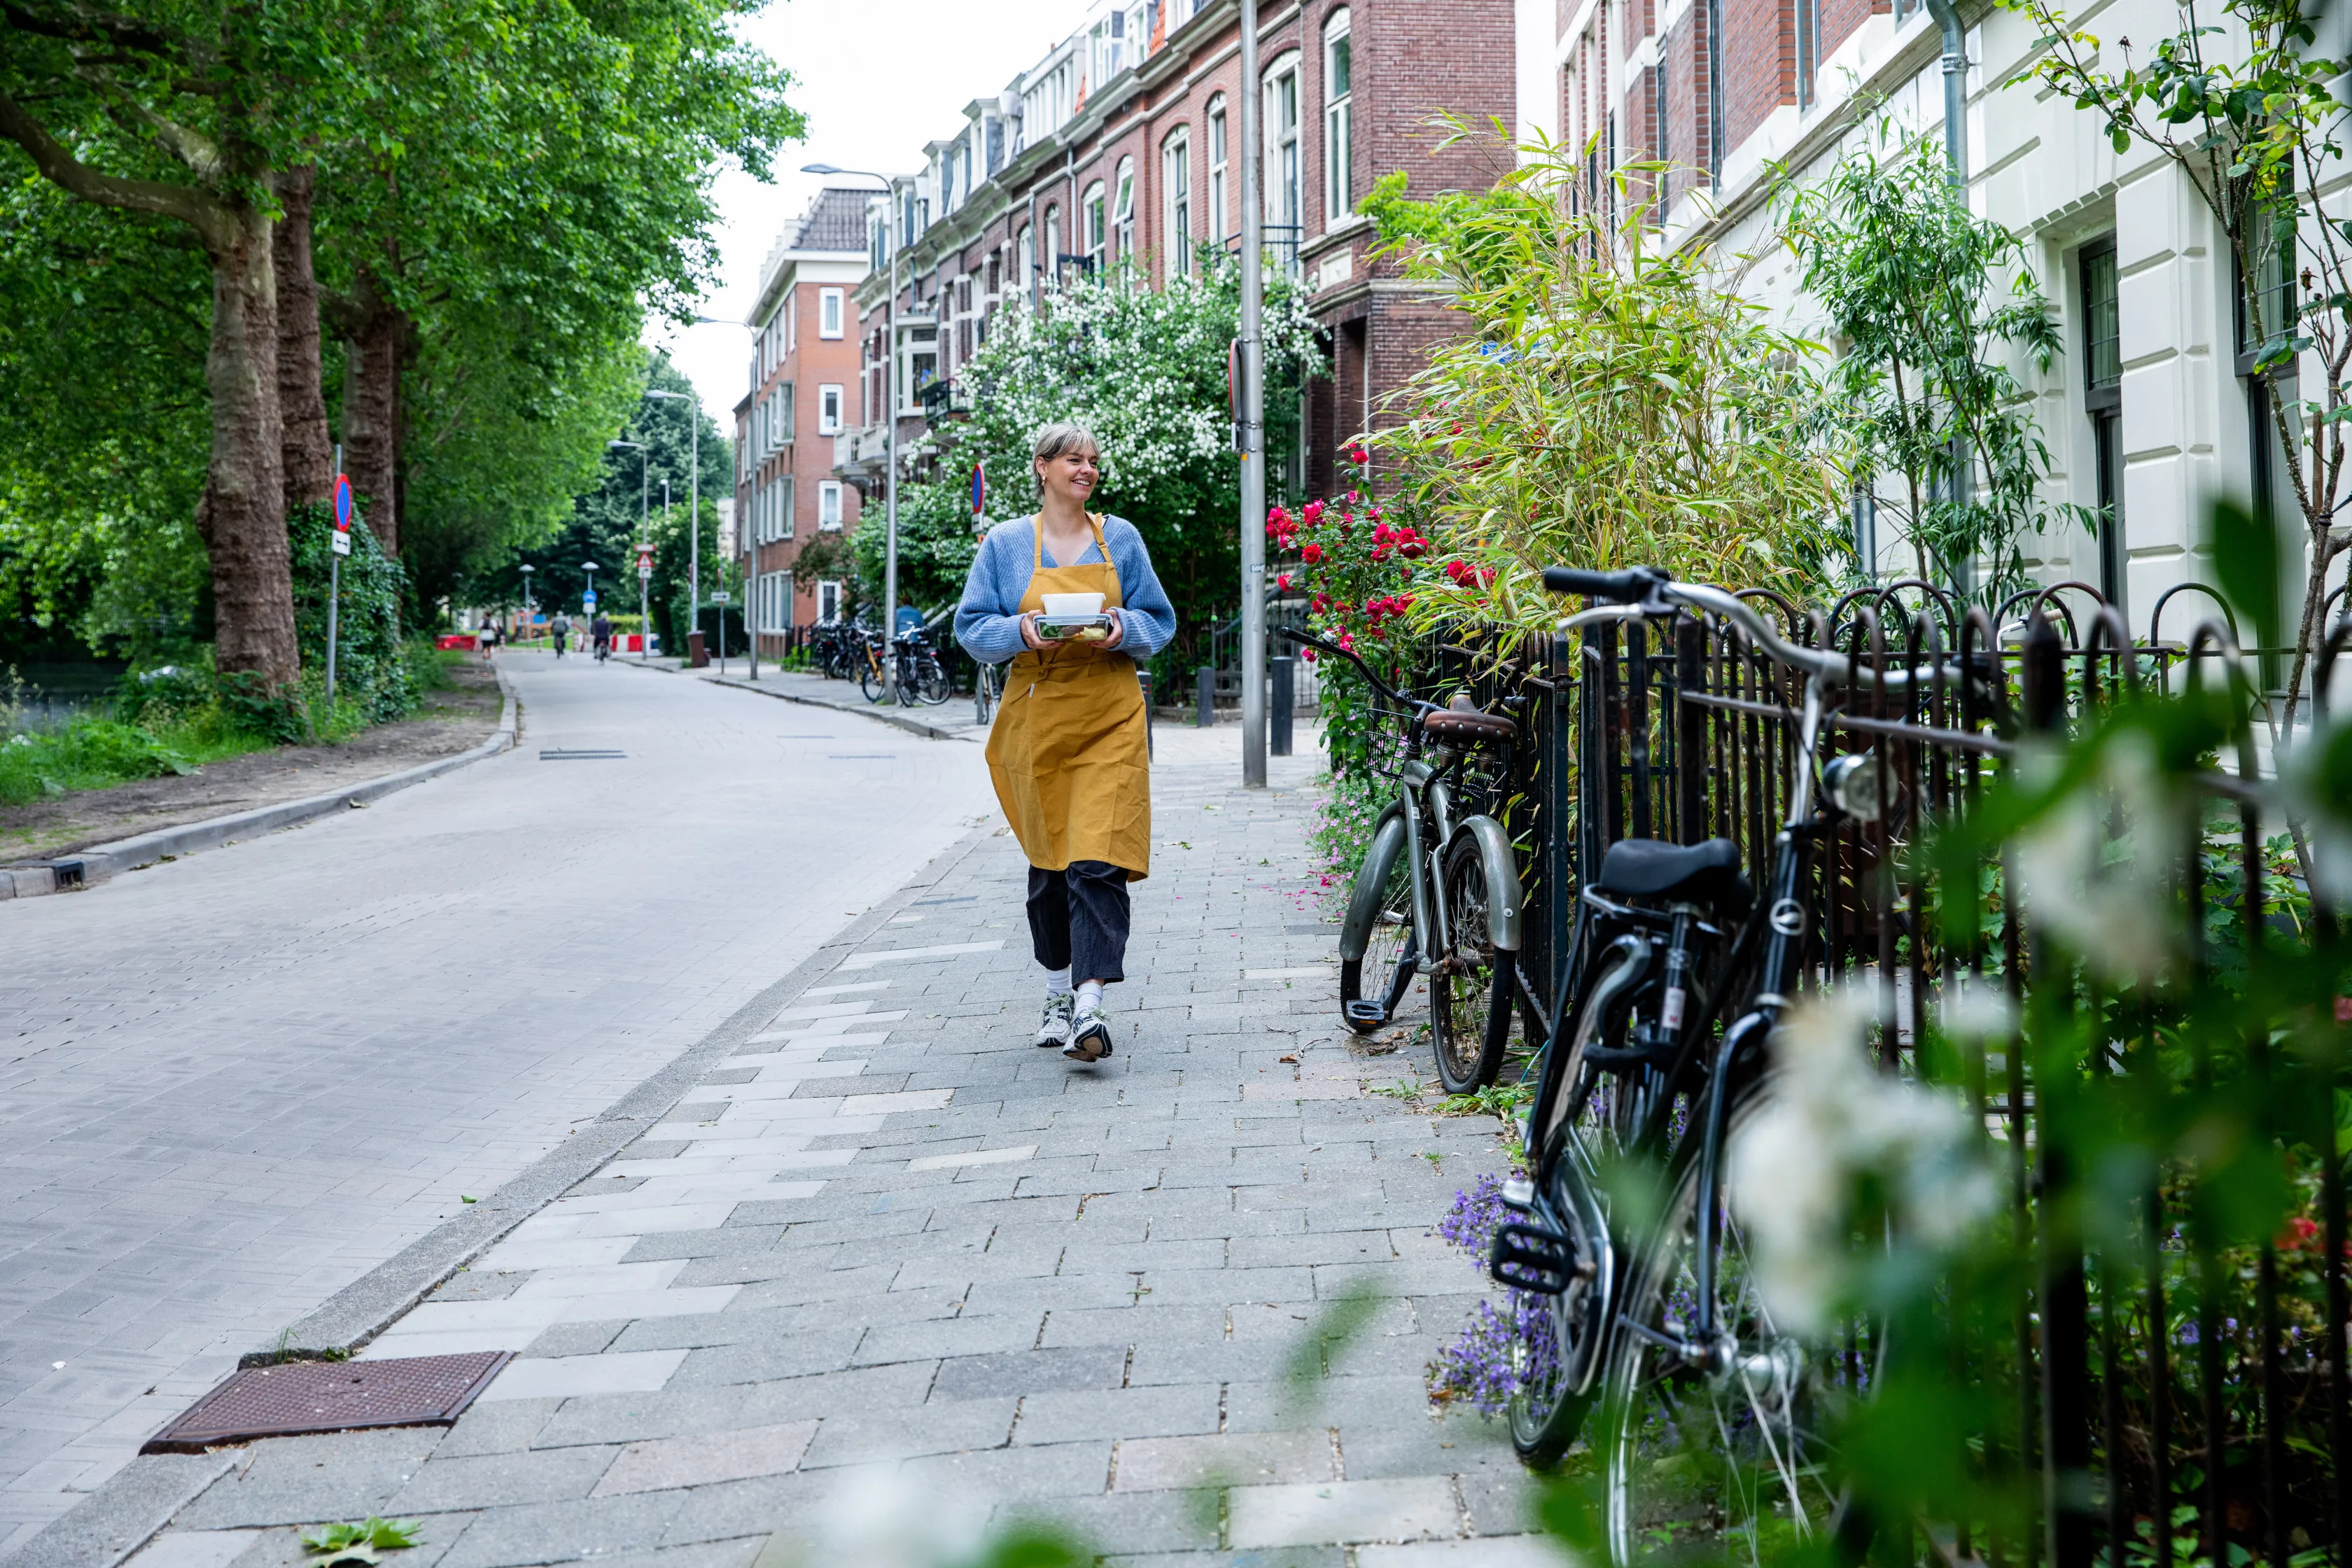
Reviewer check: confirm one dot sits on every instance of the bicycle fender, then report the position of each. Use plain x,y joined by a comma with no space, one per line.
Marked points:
1503,924
1388,843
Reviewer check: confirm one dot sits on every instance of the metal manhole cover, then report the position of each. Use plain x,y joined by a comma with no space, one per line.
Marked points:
331,1397
583,755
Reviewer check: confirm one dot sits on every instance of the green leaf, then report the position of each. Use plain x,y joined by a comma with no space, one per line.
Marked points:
2244,546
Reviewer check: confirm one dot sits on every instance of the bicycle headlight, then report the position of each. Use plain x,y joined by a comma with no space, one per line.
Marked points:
1852,783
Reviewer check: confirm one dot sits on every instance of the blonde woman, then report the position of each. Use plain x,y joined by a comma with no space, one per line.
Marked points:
1067,753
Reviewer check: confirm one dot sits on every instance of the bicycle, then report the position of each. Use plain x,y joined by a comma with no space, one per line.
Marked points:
873,675
987,687
1436,881
922,676
1654,1320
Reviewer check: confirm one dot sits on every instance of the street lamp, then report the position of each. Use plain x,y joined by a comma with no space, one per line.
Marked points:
741,532
890,415
590,567
693,498
529,609
1253,475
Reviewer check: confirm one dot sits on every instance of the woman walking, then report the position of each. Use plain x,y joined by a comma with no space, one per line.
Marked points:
1067,753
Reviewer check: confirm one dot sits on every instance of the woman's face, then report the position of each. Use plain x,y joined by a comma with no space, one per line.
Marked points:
1072,475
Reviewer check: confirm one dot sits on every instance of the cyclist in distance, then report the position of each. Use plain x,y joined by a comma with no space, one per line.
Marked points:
1069,753
559,629
599,634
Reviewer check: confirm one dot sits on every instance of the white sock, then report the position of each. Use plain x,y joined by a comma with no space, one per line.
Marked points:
1090,994
1057,981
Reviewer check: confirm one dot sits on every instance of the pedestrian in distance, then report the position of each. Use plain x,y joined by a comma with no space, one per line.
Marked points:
561,630
1068,752
488,640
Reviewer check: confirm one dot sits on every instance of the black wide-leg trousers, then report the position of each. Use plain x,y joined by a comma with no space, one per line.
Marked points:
1078,918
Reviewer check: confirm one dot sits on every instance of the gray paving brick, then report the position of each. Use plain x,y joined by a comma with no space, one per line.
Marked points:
602,1527
1030,1372
1167,1411
299,1480
944,1425
493,1480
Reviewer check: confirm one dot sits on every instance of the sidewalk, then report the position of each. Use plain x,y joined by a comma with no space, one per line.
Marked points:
889,1232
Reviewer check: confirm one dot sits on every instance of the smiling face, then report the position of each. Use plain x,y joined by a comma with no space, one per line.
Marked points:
1072,476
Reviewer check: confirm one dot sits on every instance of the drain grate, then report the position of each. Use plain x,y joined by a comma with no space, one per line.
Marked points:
331,1397
559,755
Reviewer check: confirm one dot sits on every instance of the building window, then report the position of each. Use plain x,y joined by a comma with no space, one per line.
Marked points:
1090,215
828,505
1123,208
828,411
1028,257
1217,163
828,601
1053,252
1176,181
2103,398
1282,148
784,492
1338,122
828,312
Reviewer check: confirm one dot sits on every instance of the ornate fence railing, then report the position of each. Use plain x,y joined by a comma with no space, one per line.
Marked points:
2172,1395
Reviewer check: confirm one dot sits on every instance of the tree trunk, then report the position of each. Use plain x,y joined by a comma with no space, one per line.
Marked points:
309,455
371,411
243,514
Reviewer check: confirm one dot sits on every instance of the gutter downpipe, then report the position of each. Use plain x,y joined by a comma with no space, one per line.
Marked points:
1956,153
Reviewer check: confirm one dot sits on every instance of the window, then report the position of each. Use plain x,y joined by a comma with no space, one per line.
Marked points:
1123,208
1053,252
1282,145
1090,215
828,411
1028,258
1338,122
828,312
1176,184
2103,398
828,601
775,605
1216,230
828,505
792,324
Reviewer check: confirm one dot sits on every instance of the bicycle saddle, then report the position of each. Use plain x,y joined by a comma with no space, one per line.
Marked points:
1653,868
1460,721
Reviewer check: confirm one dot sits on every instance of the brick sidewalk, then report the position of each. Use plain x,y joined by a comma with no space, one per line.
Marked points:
890,1230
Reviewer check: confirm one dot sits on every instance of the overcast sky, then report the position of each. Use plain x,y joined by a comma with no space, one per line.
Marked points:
877,80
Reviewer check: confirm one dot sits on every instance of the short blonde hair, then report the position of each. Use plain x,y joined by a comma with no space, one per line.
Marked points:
1060,440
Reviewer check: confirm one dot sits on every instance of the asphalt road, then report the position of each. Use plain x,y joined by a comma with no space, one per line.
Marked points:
235,1083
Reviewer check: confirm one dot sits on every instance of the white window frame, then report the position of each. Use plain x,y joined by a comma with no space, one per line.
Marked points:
1279,170
829,402
1028,257
791,325
1123,209
828,600
829,314
828,506
1093,224
1338,122
1176,190
1220,166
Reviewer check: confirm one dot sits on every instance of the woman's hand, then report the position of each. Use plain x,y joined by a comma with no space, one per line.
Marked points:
1029,632
1118,631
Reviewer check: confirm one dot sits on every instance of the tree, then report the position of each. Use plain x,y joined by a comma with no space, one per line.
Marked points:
2257,137
1927,298
1608,403
1145,370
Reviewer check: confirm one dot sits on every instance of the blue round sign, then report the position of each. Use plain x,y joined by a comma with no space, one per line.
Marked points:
343,501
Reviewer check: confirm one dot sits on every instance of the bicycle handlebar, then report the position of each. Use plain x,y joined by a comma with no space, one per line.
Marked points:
1310,641
1644,590
1628,587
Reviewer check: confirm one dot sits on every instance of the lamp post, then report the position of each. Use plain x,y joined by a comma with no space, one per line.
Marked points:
590,568
1253,475
693,494
528,607
890,415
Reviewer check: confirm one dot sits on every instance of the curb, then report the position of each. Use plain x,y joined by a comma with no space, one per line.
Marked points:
103,862
126,1510
882,715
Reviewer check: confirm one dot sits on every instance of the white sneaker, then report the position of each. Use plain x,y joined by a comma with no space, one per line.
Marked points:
1089,1035
1053,1029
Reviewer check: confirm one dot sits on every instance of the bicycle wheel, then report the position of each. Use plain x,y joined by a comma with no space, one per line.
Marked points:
931,681
983,693
871,683
1379,927
1578,1129
1722,1457
1462,1001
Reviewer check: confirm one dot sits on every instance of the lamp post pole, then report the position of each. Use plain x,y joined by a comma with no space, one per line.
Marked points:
529,608
1253,476
693,498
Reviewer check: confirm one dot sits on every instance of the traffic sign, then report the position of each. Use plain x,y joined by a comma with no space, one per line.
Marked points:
588,600
342,538
718,596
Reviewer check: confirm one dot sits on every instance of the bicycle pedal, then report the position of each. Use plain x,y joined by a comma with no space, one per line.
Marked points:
1531,1256
1365,1013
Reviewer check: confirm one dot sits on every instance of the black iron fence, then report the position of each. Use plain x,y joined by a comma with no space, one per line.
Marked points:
2173,1394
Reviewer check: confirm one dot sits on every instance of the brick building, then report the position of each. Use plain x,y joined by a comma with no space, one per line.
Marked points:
804,387
1124,142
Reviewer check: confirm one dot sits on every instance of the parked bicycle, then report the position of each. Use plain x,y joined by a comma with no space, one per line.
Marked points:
987,688
912,670
1438,892
834,649
1679,975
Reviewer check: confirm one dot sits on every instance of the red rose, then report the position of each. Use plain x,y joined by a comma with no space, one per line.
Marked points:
1312,514
1283,582
1411,549
1309,654
1311,553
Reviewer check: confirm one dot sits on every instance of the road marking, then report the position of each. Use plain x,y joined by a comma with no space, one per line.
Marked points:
974,1157
907,954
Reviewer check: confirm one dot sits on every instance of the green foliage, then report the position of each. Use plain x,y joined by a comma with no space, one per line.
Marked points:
361,1542
1610,403
1930,299
372,669
1144,369
935,546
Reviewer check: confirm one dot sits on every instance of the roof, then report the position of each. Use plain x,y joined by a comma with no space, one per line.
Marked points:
835,221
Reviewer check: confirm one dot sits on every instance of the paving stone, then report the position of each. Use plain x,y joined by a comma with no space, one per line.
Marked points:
1421,1507
602,1528
860,1437
1505,1552
1225,1458
496,1480
1118,1413
731,1456
576,1339
297,1480
1032,1373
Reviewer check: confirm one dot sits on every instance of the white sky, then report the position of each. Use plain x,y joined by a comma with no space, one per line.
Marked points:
877,80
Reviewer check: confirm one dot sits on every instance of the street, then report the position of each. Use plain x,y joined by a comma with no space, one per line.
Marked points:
237,1082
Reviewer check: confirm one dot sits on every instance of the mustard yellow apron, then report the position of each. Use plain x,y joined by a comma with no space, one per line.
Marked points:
1067,753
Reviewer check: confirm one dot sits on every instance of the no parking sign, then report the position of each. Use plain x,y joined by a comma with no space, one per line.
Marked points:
342,540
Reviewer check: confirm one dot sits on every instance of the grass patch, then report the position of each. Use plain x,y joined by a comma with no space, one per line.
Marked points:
94,752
